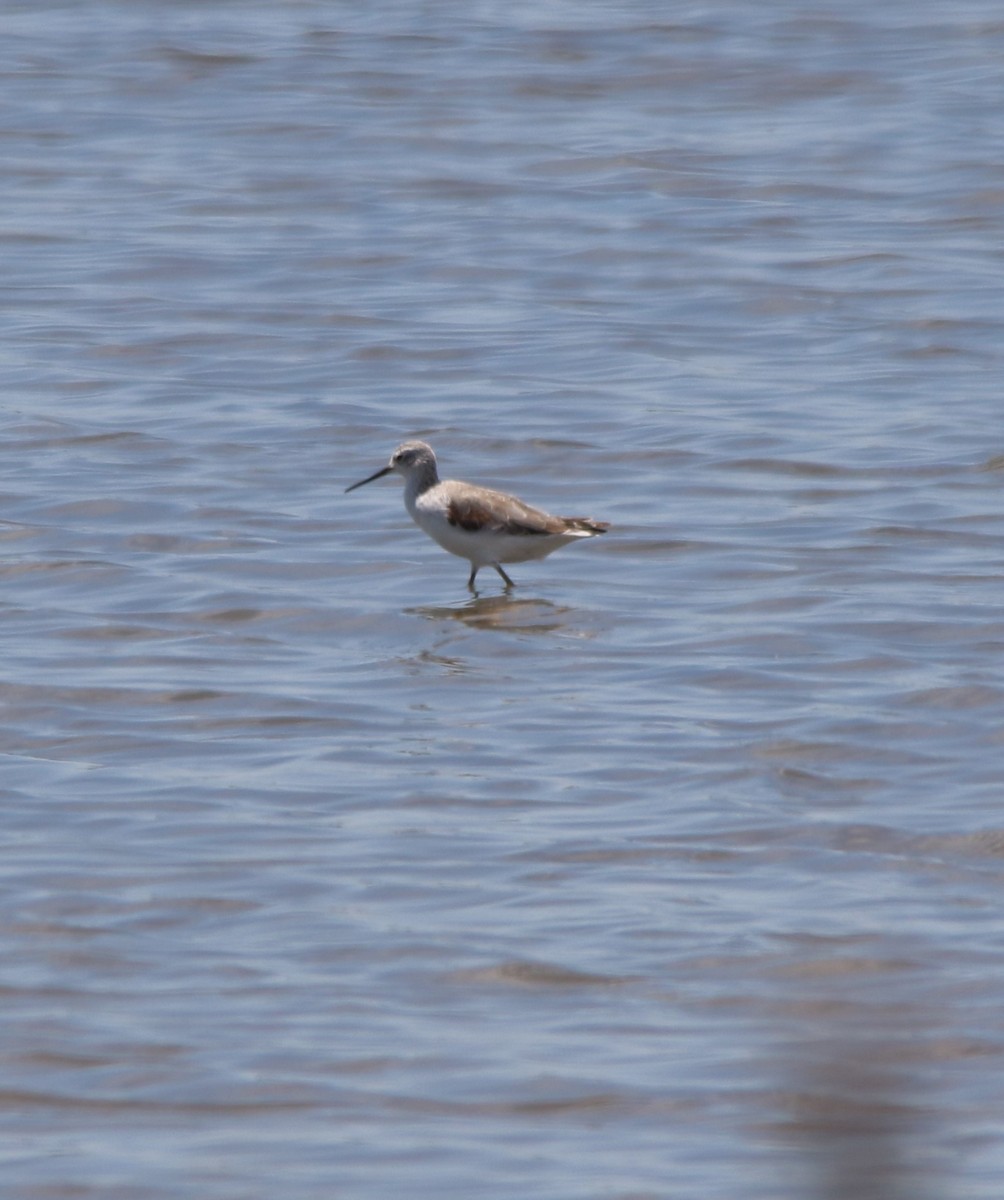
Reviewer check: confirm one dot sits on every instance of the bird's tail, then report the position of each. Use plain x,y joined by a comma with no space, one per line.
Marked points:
586,526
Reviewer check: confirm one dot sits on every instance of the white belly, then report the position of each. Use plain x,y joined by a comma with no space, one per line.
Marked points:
481,547
484,547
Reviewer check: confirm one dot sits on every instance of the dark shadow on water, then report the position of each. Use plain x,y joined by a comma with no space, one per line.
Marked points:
512,614
863,1124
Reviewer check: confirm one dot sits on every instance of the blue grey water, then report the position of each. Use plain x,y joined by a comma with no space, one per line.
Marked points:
676,872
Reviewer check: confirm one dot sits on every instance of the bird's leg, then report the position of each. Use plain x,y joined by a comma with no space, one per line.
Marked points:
508,582
470,582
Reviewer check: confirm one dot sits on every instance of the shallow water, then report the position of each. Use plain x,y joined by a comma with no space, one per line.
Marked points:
678,870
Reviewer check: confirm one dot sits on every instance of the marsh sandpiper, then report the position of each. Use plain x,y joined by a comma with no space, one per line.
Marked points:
486,527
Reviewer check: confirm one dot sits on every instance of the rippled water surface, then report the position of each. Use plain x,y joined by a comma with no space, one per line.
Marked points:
676,872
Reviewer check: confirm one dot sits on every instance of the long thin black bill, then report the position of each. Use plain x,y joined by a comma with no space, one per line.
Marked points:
376,475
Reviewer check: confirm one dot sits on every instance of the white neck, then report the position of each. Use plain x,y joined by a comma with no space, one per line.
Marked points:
423,477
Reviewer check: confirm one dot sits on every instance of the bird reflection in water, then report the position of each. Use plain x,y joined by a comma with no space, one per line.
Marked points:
504,612
861,1123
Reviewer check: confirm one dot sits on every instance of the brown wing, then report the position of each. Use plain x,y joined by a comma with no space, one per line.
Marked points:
502,514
